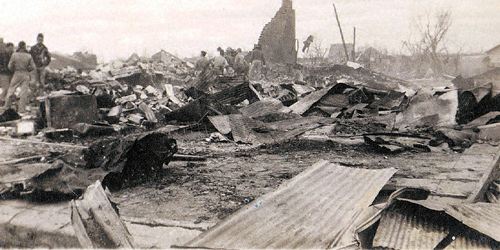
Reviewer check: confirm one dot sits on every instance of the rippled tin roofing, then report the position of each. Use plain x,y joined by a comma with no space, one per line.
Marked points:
313,210
483,217
414,227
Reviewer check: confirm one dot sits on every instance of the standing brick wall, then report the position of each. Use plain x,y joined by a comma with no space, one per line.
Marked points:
278,36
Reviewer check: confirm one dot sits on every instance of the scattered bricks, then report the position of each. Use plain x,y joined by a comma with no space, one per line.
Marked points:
490,132
135,118
151,90
67,110
129,98
150,115
114,114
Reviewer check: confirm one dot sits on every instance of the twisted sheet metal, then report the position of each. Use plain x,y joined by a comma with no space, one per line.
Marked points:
313,210
416,227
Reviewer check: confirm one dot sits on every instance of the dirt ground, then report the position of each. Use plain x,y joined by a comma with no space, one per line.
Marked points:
234,175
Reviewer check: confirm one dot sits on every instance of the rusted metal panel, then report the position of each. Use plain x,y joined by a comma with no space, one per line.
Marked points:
313,210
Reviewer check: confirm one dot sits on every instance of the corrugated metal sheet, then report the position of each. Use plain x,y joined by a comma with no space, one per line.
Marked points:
221,123
405,230
483,217
241,129
313,210
290,124
306,103
246,130
262,107
417,227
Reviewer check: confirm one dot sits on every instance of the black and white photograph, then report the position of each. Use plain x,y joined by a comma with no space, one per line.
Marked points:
250,124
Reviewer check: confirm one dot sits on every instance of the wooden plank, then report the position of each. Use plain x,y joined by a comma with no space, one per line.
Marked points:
66,145
96,223
491,174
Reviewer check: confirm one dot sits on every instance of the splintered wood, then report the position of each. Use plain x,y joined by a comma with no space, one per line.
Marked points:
96,223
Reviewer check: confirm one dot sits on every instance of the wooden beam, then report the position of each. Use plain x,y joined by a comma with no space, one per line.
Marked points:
354,46
96,223
489,176
43,143
21,160
341,33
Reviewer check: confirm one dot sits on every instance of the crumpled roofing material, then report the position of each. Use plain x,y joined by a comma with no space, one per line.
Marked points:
424,224
313,210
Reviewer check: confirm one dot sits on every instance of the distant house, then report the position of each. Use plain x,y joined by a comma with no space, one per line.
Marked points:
372,57
471,65
337,52
494,57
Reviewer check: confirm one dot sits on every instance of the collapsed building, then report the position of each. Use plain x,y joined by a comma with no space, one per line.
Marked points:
134,155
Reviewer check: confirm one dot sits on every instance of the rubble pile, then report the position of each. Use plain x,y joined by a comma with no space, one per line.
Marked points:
119,117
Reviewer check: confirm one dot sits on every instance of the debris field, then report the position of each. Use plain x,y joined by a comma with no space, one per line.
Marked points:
151,153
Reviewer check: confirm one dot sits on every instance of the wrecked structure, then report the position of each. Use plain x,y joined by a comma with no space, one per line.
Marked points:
137,137
277,39
143,153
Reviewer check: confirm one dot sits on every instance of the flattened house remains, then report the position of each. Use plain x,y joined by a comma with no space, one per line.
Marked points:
133,155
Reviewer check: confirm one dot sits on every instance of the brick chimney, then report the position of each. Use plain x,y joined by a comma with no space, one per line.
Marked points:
287,4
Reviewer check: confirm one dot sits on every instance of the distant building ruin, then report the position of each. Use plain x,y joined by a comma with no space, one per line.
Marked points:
278,36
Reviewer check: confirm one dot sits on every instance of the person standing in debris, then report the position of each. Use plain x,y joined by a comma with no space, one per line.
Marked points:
203,72
42,59
5,74
21,63
203,63
229,55
258,62
240,64
220,63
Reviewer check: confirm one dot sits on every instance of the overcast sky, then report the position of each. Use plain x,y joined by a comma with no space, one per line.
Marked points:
117,28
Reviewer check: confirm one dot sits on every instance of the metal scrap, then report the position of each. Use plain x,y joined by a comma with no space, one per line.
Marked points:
313,210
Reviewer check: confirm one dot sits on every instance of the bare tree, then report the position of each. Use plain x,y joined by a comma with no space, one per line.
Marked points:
317,53
431,43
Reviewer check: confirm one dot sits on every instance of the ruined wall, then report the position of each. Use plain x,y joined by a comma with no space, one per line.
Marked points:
278,36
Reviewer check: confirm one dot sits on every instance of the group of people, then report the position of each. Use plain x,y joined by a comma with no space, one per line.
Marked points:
20,67
231,62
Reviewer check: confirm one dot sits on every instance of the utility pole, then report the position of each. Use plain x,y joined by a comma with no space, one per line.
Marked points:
341,33
354,46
